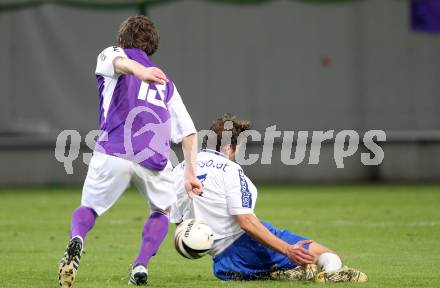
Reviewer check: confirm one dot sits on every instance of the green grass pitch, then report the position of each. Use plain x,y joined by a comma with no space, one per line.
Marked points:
390,232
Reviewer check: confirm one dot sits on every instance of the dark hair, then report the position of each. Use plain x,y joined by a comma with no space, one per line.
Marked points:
138,32
236,126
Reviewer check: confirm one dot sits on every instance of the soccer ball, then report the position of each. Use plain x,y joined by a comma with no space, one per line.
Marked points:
193,238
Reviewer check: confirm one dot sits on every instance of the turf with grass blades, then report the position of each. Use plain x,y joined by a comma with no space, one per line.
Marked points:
390,232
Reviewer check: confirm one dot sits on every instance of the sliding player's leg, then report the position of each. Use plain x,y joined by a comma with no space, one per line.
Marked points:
325,259
158,188
329,265
287,270
107,178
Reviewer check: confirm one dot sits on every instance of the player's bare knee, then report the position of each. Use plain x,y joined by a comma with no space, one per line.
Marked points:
317,249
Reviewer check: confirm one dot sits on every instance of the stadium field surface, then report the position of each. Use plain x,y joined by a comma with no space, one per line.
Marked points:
391,232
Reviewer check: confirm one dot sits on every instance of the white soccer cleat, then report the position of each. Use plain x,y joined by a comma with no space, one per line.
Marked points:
70,262
138,275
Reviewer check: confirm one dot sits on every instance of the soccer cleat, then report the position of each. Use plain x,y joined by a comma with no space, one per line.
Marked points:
70,262
138,275
342,275
299,273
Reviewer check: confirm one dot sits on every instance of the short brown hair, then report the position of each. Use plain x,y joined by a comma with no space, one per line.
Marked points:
218,126
138,32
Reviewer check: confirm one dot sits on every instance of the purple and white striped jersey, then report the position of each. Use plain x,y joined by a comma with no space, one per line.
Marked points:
138,120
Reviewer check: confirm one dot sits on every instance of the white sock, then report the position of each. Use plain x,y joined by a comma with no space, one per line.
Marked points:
329,262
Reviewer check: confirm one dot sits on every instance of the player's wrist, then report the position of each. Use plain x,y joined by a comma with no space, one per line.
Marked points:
136,71
189,172
285,249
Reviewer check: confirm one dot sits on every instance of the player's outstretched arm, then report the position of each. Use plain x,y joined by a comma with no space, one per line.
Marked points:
127,66
189,147
296,253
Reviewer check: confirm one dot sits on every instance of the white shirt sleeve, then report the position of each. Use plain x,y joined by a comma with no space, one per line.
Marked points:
238,193
104,63
181,122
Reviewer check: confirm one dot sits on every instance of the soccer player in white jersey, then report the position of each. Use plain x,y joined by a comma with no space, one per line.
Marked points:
140,113
245,248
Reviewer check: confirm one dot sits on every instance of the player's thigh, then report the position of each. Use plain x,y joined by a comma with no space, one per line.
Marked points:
156,186
107,178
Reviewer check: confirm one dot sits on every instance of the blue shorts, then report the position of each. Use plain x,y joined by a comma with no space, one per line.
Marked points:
246,259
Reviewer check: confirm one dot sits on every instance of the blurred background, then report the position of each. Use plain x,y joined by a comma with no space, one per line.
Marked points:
301,65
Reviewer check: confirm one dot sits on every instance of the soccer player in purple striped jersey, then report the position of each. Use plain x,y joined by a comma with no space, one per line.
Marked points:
140,113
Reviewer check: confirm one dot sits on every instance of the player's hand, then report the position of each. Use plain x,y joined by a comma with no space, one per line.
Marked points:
298,254
193,185
152,74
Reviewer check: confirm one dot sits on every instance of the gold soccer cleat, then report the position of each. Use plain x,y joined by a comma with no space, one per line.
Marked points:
342,275
299,273
70,262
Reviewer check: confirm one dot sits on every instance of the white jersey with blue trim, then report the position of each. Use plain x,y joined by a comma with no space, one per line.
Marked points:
226,192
